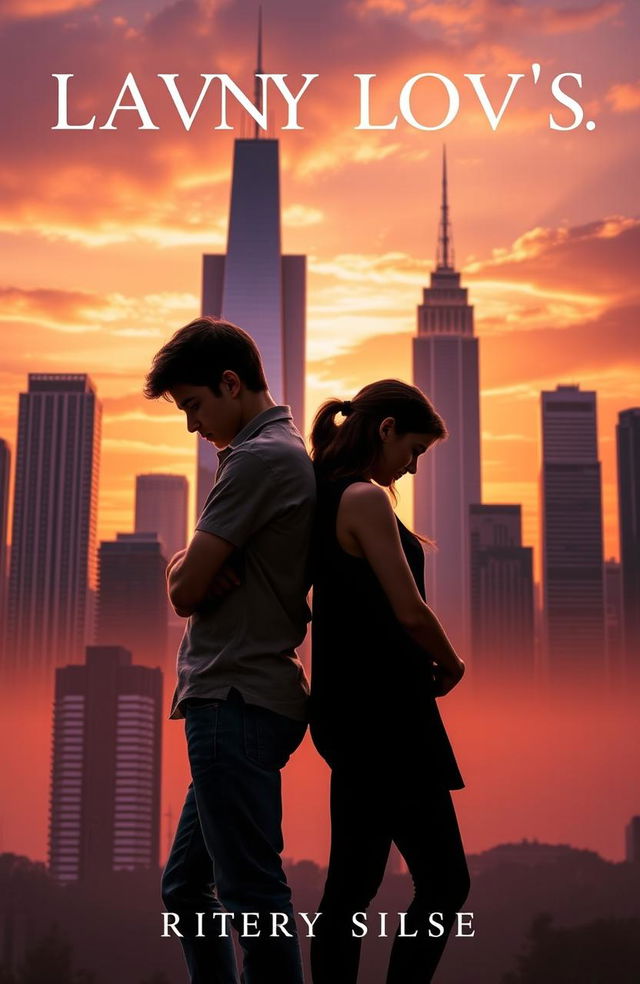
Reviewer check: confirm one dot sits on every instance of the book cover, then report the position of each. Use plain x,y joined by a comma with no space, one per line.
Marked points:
354,167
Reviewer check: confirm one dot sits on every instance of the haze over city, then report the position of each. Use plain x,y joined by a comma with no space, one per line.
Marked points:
102,236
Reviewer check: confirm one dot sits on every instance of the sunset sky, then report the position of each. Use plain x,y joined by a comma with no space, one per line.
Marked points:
102,232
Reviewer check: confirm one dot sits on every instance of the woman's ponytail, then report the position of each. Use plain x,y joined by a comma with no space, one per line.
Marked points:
324,428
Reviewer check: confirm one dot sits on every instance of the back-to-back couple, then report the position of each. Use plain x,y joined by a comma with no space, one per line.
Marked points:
275,523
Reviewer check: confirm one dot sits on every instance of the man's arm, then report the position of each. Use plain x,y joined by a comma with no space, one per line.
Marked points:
242,500
189,578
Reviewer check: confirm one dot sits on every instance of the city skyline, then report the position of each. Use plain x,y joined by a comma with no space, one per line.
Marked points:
104,234
100,274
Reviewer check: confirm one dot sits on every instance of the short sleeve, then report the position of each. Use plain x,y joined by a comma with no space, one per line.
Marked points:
242,500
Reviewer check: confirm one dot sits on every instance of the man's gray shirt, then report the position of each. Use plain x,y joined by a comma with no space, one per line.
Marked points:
262,502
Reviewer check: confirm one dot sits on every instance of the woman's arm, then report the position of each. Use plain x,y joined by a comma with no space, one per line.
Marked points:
366,513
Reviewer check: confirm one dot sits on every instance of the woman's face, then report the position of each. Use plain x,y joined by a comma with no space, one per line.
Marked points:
399,453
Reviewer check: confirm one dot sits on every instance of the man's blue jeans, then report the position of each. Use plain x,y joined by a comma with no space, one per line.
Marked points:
226,851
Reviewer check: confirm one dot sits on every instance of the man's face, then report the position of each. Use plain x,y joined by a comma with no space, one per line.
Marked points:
215,418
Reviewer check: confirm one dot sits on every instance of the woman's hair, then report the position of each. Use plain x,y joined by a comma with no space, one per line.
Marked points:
351,448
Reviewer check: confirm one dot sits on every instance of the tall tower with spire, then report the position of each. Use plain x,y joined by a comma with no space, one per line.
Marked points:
253,284
445,367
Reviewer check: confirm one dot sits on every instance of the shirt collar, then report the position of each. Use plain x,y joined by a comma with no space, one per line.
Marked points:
268,416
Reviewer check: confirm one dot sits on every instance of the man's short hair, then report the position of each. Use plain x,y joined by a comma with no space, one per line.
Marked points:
200,352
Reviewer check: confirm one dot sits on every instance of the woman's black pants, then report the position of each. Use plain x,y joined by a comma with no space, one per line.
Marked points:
370,809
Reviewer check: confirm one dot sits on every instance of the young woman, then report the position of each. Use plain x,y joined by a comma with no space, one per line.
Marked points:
380,658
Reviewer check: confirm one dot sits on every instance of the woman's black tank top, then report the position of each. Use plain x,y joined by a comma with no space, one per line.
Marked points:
372,691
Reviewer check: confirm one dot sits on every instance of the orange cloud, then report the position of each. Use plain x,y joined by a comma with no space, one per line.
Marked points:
489,17
56,308
597,258
576,18
80,312
89,187
624,97
24,9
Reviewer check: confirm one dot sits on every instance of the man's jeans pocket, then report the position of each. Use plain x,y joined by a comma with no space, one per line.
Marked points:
270,738
201,729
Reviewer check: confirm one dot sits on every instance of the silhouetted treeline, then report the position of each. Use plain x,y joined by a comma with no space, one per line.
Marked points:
512,884
606,951
50,959
108,932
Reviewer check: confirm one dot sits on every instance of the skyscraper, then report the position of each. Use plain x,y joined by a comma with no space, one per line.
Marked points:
132,597
628,439
254,285
502,629
53,564
632,841
572,553
445,367
161,507
5,469
105,775
614,621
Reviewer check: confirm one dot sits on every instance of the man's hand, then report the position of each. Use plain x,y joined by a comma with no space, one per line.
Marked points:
174,560
224,581
192,571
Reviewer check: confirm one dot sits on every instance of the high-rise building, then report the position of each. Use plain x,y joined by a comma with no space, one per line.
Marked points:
132,597
445,367
502,624
572,552
53,564
255,286
161,507
5,469
105,774
628,439
632,841
614,621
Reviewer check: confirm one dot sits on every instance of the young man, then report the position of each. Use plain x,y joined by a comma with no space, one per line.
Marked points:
241,687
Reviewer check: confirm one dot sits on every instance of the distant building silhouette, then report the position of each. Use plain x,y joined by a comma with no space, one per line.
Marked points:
632,841
502,622
132,597
105,777
255,286
628,440
53,557
613,620
572,553
5,469
445,367
161,507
